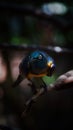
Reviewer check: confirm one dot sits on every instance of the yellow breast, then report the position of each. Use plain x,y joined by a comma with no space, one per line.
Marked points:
35,75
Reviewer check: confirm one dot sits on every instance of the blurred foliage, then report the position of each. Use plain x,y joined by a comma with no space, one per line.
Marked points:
18,29
49,80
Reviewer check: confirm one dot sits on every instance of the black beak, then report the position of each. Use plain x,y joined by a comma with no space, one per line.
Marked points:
18,81
51,70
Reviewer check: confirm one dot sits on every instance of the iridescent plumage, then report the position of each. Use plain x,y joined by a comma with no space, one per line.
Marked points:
36,64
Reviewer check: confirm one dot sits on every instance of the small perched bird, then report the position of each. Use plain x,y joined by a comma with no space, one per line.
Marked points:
36,64
33,66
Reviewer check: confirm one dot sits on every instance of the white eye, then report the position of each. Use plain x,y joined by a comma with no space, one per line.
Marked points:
40,57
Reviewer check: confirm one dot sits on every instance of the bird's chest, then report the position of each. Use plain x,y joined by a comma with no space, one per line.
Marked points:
38,68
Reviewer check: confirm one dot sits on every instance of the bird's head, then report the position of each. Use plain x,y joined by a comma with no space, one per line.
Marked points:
41,63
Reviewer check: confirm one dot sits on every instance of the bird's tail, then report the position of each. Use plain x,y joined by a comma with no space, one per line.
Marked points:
18,81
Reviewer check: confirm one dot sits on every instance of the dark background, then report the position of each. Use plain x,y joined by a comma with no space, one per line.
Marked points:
24,27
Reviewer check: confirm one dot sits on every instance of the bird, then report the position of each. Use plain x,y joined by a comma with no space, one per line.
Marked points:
36,64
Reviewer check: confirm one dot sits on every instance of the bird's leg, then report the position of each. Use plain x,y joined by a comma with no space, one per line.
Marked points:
33,87
43,85
33,99
36,94
29,102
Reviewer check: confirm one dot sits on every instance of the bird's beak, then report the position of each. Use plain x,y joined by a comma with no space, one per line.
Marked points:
50,64
51,68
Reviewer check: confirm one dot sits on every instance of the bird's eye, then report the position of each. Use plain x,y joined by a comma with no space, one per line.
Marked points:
40,57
